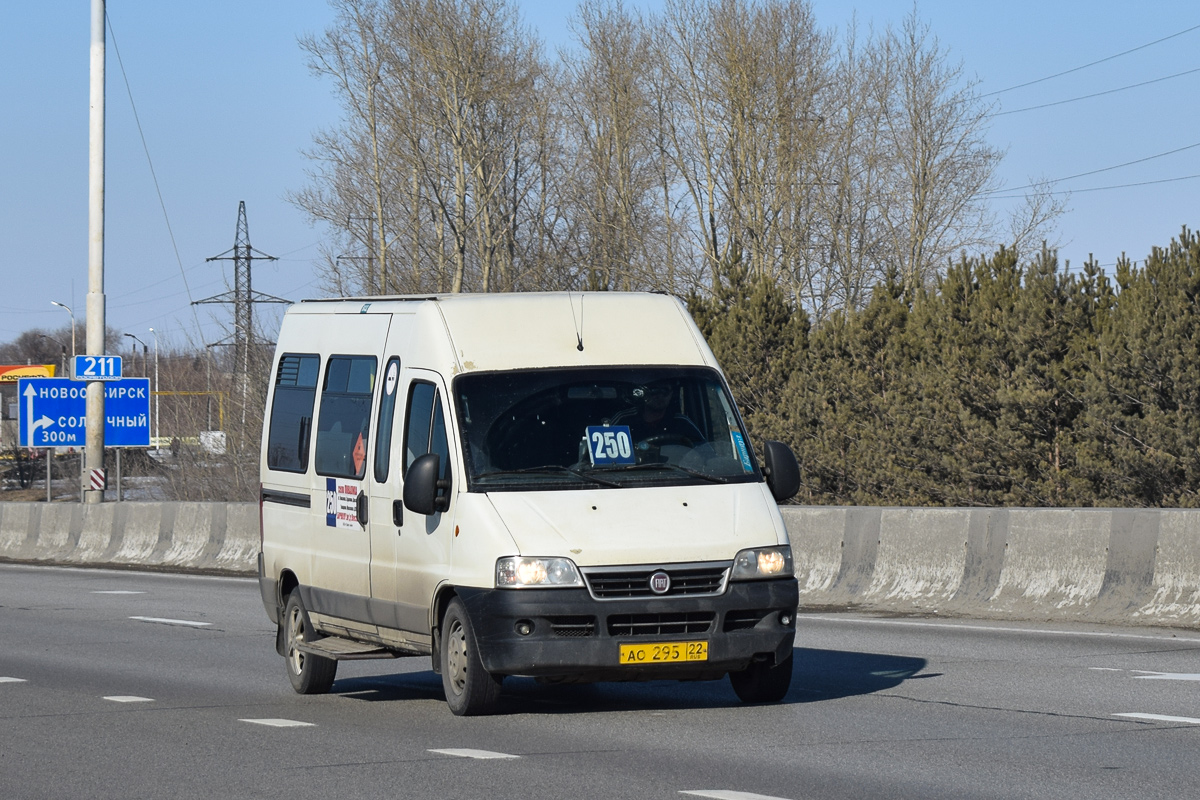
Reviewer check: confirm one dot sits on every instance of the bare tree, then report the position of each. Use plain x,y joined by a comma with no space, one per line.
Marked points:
1030,226
939,162
442,149
608,101
719,131
471,76
353,183
845,258
746,84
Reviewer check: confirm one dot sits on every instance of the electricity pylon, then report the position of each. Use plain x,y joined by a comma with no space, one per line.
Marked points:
243,297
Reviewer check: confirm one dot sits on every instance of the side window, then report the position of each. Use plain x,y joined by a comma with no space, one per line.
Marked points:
292,412
383,428
344,421
425,429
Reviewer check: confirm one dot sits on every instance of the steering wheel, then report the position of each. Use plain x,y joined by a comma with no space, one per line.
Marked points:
660,440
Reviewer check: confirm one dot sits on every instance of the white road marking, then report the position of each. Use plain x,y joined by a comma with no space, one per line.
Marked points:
185,622
1106,669
722,794
129,698
12,680
997,629
279,723
1167,676
466,753
118,591
1161,718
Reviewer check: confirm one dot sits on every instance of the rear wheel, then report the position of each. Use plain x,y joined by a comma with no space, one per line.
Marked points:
762,682
309,674
470,689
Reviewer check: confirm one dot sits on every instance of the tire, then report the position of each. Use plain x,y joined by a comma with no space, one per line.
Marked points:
470,689
762,682
309,674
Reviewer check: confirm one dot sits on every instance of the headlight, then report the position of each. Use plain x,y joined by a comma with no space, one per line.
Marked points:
516,572
762,562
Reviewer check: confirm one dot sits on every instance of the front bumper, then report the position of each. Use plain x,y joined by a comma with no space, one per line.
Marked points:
575,637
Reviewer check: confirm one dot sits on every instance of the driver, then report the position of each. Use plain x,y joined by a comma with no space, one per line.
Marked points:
651,417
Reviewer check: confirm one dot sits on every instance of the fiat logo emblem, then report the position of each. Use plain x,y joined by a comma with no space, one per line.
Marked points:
660,583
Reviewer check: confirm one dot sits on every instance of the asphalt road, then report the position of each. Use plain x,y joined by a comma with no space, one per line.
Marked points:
136,685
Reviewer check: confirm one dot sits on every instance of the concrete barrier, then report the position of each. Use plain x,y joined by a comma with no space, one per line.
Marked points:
1104,565
208,537
1174,592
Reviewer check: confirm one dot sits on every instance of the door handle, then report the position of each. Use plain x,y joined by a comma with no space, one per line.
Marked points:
397,513
360,508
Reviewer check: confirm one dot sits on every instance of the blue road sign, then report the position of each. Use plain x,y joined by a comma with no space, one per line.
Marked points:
97,368
53,412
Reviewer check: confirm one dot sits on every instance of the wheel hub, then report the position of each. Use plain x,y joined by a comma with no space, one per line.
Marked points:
456,657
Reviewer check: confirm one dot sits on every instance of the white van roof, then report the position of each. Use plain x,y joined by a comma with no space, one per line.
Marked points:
497,331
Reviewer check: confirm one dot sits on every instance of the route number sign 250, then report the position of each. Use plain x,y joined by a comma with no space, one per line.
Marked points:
610,444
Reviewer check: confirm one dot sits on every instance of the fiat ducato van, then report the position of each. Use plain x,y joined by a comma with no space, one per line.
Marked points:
547,485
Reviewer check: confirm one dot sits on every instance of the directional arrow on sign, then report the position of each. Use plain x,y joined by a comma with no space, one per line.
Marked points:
34,424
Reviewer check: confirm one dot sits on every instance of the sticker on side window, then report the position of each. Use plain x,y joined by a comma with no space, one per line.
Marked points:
390,380
739,446
610,444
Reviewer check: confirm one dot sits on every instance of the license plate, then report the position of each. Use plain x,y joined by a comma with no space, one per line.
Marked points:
663,652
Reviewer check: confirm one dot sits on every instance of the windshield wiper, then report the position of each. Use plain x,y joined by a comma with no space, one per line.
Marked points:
695,473
552,469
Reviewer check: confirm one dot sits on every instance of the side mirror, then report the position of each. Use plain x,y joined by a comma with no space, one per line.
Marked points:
422,486
783,471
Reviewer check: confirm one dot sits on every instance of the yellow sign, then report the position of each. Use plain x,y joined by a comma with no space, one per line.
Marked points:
10,373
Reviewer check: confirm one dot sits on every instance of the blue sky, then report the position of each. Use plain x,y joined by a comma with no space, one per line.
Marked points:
226,105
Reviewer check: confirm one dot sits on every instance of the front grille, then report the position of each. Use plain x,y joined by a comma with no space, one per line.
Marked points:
660,624
573,627
687,580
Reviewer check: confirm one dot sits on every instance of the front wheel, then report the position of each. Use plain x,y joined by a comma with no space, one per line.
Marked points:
762,682
309,674
470,689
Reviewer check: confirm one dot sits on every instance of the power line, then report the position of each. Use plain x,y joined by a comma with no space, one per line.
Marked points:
1098,171
1092,64
1104,188
149,286
146,148
1097,94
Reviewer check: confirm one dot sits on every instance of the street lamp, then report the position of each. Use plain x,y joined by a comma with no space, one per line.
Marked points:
145,350
157,443
72,313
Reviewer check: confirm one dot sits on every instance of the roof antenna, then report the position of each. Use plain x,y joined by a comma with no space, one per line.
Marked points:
579,322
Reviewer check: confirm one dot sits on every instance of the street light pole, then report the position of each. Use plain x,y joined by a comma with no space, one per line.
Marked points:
94,449
157,443
145,352
72,313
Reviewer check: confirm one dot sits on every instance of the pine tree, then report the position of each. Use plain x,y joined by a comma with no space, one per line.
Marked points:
1142,432
759,338
847,401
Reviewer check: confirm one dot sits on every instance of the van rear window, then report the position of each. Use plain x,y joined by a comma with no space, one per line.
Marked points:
292,412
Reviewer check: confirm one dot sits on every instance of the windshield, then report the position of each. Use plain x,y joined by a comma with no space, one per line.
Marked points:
609,427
